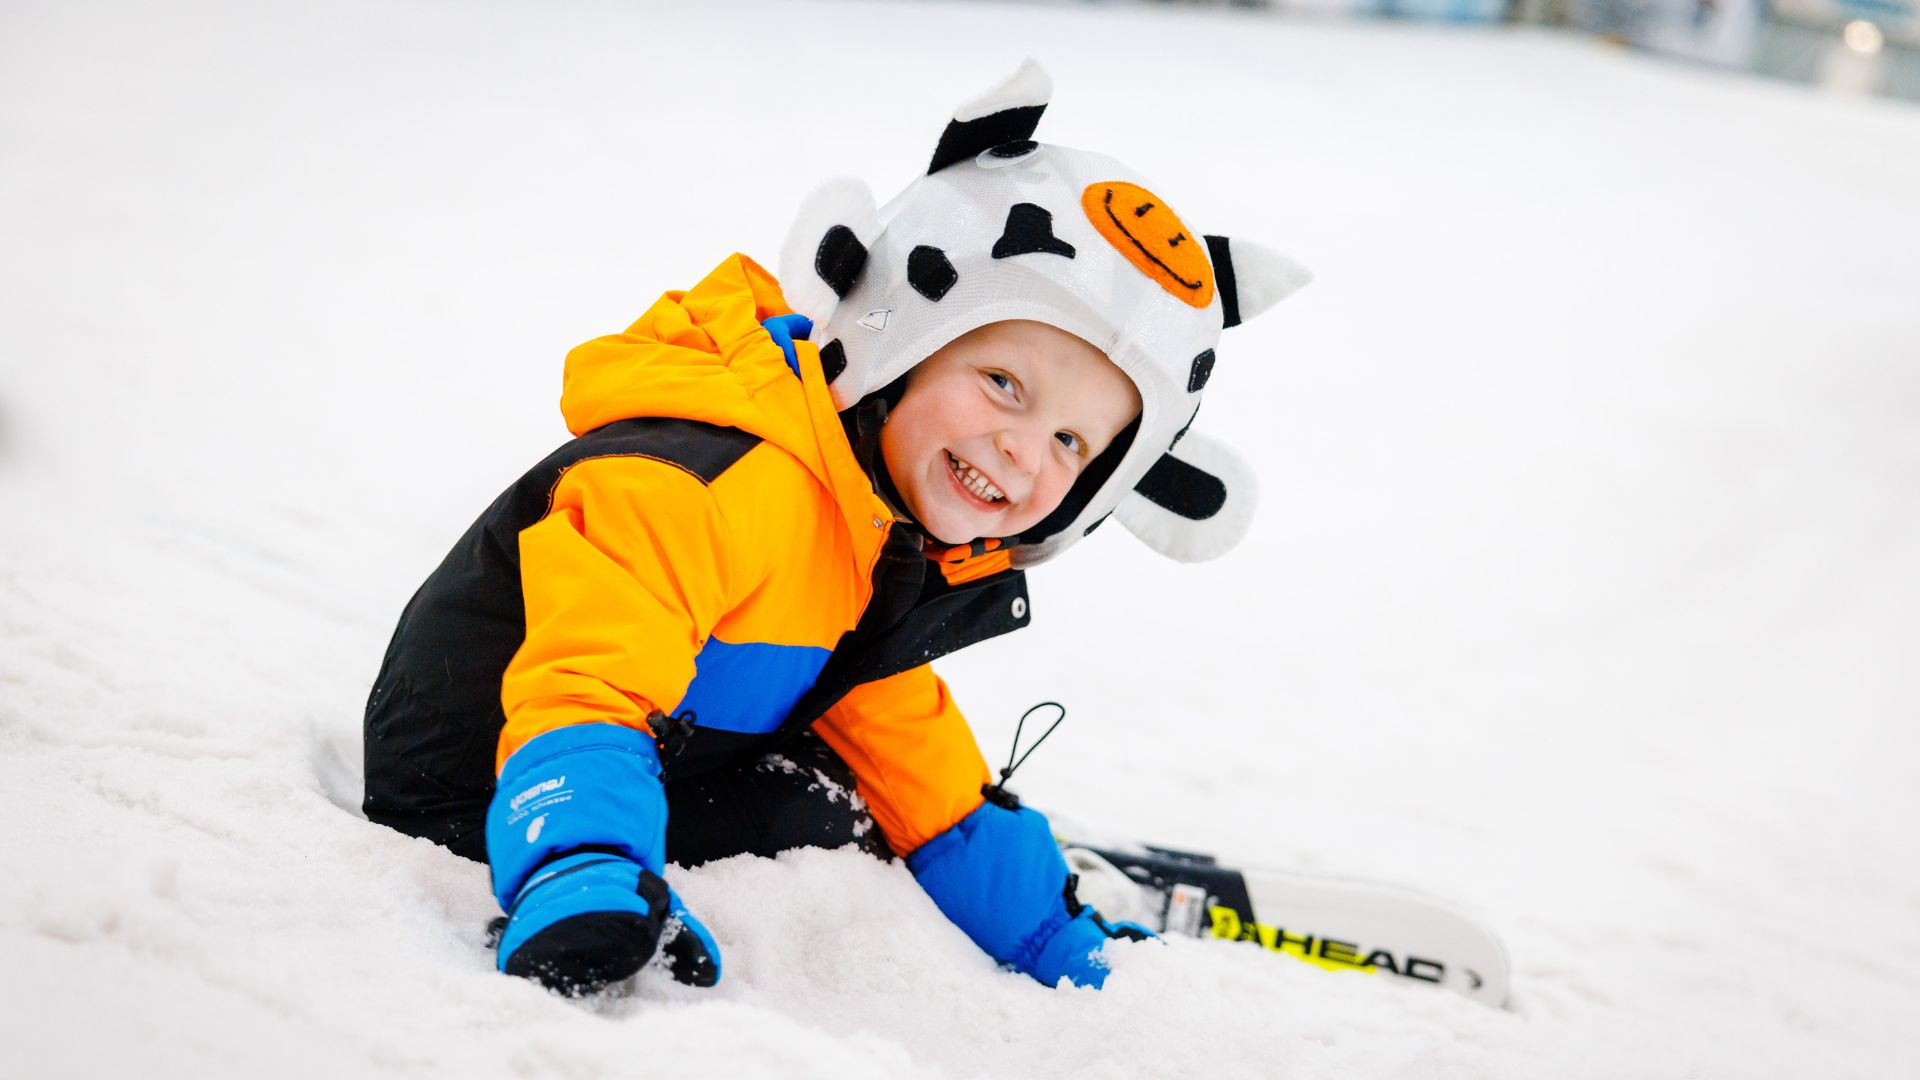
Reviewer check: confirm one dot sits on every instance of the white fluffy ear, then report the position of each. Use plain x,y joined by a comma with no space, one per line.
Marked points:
1252,278
1263,277
1029,85
1195,503
1008,112
827,247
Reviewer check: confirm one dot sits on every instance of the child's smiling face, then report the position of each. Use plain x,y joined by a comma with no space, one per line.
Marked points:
994,428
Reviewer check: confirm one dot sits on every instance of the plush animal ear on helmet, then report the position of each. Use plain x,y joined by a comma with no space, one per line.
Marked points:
1252,278
827,247
1195,503
1004,116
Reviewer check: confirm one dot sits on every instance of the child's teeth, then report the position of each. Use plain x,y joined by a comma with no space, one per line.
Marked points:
971,479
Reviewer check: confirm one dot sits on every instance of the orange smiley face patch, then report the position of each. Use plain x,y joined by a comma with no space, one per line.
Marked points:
1152,237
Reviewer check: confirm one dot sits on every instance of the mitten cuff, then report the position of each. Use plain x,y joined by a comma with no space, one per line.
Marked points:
1000,877
585,786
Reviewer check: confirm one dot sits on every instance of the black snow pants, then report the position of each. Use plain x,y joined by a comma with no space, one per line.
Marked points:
801,795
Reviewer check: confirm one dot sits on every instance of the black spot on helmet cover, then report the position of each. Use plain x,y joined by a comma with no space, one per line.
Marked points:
1029,231
1191,492
833,359
1201,371
965,139
1221,255
839,259
930,272
1014,149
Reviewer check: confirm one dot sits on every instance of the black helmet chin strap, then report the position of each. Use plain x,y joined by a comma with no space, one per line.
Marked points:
862,423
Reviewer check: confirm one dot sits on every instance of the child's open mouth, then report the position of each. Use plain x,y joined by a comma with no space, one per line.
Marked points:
971,482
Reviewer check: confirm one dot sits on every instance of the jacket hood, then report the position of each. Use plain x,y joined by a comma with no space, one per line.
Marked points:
702,354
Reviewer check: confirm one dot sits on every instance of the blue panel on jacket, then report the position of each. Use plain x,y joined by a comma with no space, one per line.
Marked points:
750,688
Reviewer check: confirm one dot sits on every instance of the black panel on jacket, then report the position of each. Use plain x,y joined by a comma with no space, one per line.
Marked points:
433,717
915,617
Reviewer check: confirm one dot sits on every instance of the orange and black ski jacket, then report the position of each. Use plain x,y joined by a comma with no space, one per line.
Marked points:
710,541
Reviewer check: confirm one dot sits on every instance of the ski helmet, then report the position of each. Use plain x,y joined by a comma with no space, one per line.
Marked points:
1003,227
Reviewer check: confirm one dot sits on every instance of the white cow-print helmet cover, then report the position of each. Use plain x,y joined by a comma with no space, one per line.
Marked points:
1002,227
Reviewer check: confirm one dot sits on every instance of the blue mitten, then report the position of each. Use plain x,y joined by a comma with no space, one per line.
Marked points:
576,839
1000,877
1074,950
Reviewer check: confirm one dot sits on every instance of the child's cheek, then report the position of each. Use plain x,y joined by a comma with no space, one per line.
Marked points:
1058,484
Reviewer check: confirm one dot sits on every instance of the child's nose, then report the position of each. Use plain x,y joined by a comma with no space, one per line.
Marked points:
1020,448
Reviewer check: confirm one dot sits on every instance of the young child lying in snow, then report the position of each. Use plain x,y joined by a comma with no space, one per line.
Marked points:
783,500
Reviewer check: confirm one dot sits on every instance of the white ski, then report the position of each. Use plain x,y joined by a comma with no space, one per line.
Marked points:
1333,923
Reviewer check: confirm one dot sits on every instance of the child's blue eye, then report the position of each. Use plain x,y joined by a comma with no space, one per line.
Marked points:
1069,440
1000,380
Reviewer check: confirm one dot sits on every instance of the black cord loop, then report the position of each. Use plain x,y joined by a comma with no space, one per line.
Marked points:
998,793
1006,774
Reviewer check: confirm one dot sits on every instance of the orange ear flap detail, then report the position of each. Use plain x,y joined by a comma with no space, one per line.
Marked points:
1152,237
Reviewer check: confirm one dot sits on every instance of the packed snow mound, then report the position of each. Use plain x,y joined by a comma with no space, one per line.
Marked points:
1583,592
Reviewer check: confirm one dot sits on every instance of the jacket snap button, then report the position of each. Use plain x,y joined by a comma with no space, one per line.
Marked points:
876,523
1019,607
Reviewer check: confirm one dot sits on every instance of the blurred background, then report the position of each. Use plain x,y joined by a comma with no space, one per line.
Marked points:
1583,591
1851,46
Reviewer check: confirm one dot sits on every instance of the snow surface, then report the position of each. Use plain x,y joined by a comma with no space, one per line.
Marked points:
1584,591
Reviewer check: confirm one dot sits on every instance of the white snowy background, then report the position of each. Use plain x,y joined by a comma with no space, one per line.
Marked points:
1585,591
